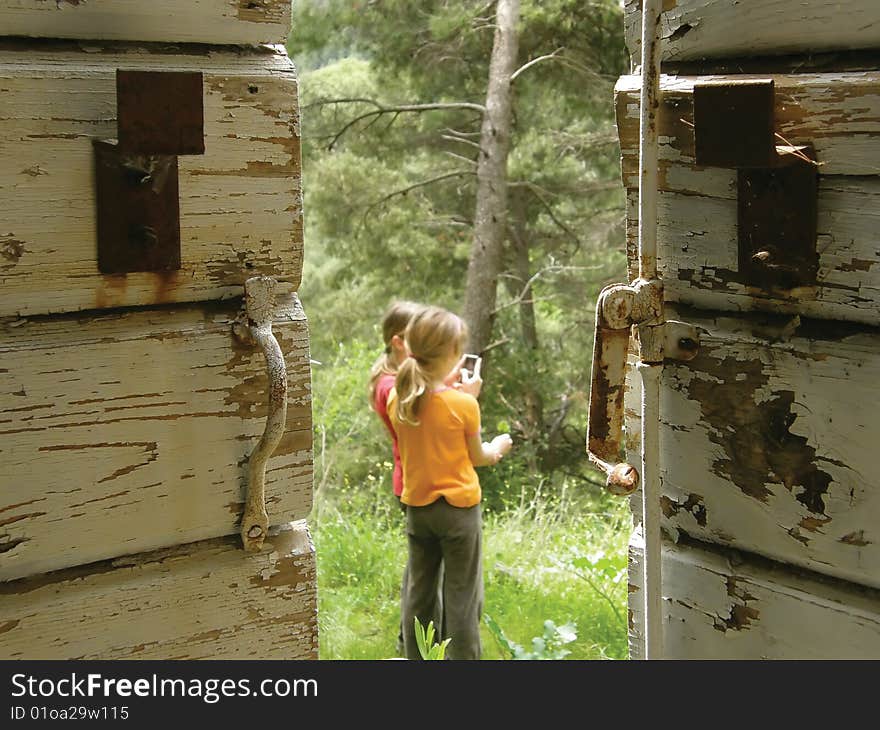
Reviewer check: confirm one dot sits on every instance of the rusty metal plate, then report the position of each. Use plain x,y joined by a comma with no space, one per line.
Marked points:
160,112
734,124
777,223
138,213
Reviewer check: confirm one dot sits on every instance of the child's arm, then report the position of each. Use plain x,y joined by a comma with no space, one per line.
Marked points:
488,454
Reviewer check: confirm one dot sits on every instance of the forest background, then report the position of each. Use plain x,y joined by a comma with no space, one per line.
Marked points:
405,178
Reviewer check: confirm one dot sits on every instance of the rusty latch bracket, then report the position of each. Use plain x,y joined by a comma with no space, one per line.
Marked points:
777,208
777,220
620,307
159,115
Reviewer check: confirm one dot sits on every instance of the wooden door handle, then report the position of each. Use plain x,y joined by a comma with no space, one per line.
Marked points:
256,327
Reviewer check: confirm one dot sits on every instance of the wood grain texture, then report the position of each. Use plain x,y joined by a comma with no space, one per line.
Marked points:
837,112
697,253
768,442
130,431
697,235
694,29
192,21
240,202
205,600
724,605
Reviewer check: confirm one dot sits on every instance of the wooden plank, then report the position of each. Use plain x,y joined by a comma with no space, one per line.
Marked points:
130,431
725,605
838,112
697,254
696,29
697,236
204,21
768,442
240,202
206,600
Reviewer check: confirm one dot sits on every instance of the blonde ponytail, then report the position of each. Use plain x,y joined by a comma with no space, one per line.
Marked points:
411,384
394,322
431,337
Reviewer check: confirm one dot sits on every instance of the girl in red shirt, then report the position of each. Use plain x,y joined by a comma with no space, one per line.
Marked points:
384,371
382,376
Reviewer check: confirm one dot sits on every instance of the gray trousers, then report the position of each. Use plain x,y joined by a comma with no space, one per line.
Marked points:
438,614
442,534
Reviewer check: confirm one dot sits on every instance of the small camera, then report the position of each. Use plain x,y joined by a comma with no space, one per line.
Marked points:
470,362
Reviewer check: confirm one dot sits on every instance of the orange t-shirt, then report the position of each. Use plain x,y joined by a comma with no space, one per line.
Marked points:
434,454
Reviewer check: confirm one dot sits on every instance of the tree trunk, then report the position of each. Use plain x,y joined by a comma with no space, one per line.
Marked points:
490,219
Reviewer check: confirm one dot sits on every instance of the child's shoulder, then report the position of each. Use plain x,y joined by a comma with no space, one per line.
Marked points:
387,380
385,385
456,397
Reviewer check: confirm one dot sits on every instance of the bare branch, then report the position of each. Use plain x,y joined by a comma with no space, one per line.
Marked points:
450,138
537,192
468,160
462,134
554,268
493,345
414,186
533,62
348,100
396,110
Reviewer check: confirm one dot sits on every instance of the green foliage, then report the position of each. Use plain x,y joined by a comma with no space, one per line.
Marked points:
605,574
550,645
428,648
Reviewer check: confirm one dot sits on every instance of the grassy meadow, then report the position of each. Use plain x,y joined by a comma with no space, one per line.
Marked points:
557,556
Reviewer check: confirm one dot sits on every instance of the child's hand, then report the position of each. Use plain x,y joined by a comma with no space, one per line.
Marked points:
470,383
501,444
451,380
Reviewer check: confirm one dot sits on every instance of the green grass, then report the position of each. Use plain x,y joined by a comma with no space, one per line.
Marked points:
561,558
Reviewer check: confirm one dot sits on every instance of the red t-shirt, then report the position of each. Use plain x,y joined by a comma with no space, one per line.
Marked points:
380,405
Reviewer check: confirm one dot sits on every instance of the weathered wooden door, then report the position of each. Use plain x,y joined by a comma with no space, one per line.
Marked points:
769,437
149,167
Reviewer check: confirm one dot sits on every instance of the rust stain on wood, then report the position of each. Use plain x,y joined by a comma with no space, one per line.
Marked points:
20,504
261,11
741,615
255,168
12,250
99,499
855,538
152,452
165,286
110,291
857,265
288,572
19,518
813,524
693,505
755,436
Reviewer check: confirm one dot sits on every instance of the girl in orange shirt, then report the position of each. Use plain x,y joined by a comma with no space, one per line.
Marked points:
438,434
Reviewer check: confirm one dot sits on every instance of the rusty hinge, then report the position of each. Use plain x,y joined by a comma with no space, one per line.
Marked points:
160,115
620,308
777,184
